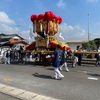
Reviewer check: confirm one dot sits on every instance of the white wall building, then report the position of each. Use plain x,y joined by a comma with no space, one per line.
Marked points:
73,43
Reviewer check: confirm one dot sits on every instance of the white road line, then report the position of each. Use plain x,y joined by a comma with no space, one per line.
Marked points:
92,78
81,71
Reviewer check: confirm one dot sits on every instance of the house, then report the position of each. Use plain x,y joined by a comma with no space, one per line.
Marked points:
73,43
12,40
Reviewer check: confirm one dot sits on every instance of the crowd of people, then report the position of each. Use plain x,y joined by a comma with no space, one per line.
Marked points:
10,55
59,58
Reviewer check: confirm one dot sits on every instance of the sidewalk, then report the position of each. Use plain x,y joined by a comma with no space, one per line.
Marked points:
22,94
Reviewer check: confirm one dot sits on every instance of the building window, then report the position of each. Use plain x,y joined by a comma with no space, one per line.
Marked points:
16,40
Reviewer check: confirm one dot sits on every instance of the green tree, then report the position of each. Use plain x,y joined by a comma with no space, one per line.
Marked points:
97,41
89,45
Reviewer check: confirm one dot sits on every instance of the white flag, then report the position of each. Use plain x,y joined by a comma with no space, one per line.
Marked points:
60,35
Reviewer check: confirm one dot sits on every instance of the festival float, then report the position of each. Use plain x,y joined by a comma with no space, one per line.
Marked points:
46,26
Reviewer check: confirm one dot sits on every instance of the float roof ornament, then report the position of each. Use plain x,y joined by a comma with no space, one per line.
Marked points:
48,15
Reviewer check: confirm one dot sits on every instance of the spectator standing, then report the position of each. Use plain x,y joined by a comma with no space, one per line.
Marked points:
26,56
56,62
7,56
31,56
4,56
80,56
21,54
77,56
11,55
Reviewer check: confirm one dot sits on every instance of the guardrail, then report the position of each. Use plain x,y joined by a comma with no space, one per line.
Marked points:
86,60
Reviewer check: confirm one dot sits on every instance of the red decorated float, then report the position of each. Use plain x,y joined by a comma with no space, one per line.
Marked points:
46,26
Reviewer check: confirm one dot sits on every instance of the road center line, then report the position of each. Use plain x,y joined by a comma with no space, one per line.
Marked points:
92,78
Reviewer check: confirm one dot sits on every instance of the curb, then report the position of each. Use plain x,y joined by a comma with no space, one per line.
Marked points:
22,94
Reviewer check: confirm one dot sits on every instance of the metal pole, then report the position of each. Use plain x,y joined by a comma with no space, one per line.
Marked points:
88,27
88,31
19,29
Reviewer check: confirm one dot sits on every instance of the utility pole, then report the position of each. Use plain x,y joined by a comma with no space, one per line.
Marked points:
19,29
88,31
88,27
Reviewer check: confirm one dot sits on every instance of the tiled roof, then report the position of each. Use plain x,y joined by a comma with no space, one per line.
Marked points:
4,39
2,35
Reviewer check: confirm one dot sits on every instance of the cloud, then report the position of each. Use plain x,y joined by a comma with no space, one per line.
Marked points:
61,4
69,31
8,29
6,24
92,1
26,35
66,27
5,19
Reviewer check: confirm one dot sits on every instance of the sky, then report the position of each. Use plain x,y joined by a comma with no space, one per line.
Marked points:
79,17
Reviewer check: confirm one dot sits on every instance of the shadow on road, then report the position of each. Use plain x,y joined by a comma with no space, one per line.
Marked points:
49,68
98,75
43,76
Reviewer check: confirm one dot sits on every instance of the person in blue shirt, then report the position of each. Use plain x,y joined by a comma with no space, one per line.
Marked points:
64,56
56,62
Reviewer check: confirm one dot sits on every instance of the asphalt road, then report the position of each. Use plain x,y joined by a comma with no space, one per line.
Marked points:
80,83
